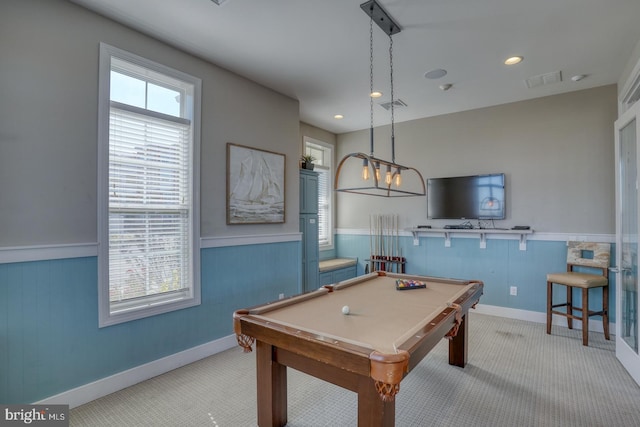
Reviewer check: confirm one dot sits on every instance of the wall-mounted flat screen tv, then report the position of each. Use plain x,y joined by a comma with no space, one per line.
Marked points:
466,197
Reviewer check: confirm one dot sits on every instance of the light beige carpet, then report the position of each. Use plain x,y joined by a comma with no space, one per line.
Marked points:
516,376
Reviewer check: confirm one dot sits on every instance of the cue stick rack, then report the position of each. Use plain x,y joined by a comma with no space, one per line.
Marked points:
384,244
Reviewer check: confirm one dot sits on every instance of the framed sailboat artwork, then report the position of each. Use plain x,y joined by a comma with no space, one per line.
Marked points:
255,185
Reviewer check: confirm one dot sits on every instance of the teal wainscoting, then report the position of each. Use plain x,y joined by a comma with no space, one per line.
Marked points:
501,265
49,336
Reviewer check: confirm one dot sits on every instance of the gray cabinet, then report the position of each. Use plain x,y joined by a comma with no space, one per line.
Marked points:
309,229
308,192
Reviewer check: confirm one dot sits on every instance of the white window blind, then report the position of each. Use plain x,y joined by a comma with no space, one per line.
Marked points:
324,205
149,203
148,212
323,154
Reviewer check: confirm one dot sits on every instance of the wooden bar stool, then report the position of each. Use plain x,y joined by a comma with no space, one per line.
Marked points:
582,254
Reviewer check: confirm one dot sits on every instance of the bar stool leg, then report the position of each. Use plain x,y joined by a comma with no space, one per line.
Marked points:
585,316
549,304
569,306
605,311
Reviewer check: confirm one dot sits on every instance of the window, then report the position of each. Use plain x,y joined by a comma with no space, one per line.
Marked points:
148,256
323,153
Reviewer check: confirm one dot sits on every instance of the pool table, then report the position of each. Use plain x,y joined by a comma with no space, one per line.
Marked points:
385,334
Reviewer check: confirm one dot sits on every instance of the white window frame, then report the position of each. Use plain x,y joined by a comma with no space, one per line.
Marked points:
320,167
150,305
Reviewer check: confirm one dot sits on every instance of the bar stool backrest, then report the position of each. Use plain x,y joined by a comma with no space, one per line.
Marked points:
589,254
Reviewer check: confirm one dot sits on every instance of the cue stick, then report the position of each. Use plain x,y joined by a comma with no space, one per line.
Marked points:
390,234
381,239
370,243
395,252
394,237
388,251
381,232
397,242
391,225
377,242
386,236
377,248
382,242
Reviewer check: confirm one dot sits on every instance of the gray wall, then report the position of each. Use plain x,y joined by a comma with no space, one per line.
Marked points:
48,124
557,154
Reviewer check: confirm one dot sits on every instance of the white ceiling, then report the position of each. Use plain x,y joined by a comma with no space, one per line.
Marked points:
317,51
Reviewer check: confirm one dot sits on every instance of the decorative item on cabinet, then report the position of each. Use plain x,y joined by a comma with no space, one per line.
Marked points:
307,162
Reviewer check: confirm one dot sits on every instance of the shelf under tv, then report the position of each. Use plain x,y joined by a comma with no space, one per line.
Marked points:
481,232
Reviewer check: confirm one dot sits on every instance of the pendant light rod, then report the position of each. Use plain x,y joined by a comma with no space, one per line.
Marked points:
371,85
393,132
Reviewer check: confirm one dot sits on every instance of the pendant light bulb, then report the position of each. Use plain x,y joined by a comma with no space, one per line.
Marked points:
377,171
387,178
398,178
365,170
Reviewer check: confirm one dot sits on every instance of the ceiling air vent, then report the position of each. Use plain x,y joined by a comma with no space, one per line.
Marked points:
543,79
398,103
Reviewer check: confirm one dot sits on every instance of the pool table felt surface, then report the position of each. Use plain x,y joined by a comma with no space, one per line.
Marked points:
381,318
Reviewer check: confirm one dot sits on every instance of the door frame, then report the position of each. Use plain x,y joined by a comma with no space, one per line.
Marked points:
625,354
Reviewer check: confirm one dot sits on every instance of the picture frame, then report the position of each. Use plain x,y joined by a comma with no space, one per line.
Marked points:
255,185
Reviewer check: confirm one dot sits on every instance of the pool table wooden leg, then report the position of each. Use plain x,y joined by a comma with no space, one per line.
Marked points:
372,411
272,387
458,346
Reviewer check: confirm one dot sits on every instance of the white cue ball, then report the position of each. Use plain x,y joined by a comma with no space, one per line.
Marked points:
345,309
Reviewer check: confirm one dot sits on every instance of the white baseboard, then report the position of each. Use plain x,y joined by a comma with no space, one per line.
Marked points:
537,317
88,392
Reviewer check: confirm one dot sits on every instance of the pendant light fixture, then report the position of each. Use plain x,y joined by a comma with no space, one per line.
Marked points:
361,173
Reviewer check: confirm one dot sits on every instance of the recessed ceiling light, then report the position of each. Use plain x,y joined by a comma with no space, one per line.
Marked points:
435,74
376,94
338,116
513,60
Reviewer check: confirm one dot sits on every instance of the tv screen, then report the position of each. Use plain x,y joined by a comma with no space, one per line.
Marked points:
466,197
